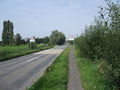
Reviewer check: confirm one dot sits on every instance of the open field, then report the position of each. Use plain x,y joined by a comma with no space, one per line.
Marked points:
9,52
56,76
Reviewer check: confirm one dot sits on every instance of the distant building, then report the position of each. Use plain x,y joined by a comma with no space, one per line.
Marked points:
32,39
71,38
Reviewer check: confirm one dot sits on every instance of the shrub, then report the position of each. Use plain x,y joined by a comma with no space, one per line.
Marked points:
32,45
102,40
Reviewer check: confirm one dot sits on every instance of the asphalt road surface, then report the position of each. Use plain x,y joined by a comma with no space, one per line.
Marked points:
20,73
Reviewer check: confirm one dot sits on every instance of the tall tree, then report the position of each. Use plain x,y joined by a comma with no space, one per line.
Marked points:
57,37
18,39
7,34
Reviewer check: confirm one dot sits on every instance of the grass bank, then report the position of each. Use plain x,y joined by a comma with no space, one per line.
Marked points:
89,73
9,52
56,76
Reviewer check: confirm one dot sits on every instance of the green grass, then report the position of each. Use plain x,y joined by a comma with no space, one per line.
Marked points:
89,73
56,76
9,52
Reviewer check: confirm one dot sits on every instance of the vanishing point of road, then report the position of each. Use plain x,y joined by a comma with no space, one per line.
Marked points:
20,73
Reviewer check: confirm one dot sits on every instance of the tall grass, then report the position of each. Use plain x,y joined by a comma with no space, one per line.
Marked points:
89,73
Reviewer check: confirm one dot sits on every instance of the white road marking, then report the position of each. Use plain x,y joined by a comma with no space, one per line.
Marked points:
32,59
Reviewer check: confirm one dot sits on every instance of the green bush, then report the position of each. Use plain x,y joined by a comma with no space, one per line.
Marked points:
32,45
71,41
102,41
3,53
111,55
91,42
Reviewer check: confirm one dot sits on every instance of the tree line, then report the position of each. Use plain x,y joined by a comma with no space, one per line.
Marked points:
101,42
8,37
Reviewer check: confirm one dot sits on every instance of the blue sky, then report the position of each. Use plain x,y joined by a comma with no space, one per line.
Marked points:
40,17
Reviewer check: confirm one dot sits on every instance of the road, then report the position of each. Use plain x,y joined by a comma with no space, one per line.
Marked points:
20,73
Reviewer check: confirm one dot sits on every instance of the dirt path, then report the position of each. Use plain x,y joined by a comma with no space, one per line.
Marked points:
74,82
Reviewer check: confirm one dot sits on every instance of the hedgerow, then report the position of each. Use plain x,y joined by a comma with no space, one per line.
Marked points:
102,41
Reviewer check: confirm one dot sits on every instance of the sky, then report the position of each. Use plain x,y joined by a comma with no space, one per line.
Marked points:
40,17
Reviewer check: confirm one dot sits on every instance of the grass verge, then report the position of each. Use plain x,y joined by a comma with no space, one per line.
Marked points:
9,52
89,73
56,76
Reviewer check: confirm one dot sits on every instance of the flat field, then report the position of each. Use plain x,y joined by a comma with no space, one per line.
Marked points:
9,52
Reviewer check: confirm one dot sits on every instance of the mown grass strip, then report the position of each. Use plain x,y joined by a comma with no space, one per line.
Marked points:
9,52
89,73
56,76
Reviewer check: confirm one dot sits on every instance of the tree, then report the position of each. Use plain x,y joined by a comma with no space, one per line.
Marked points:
27,40
46,40
7,34
57,37
101,42
23,41
18,39
0,43
37,40
112,45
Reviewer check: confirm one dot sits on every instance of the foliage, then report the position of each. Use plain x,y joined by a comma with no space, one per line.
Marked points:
91,43
89,73
32,45
70,41
27,40
44,40
102,40
7,34
0,43
18,39
23,41
56,76
57,38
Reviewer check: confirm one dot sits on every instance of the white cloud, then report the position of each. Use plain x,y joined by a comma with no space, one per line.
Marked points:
42,16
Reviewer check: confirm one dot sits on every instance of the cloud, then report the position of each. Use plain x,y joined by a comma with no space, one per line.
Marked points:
42,16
